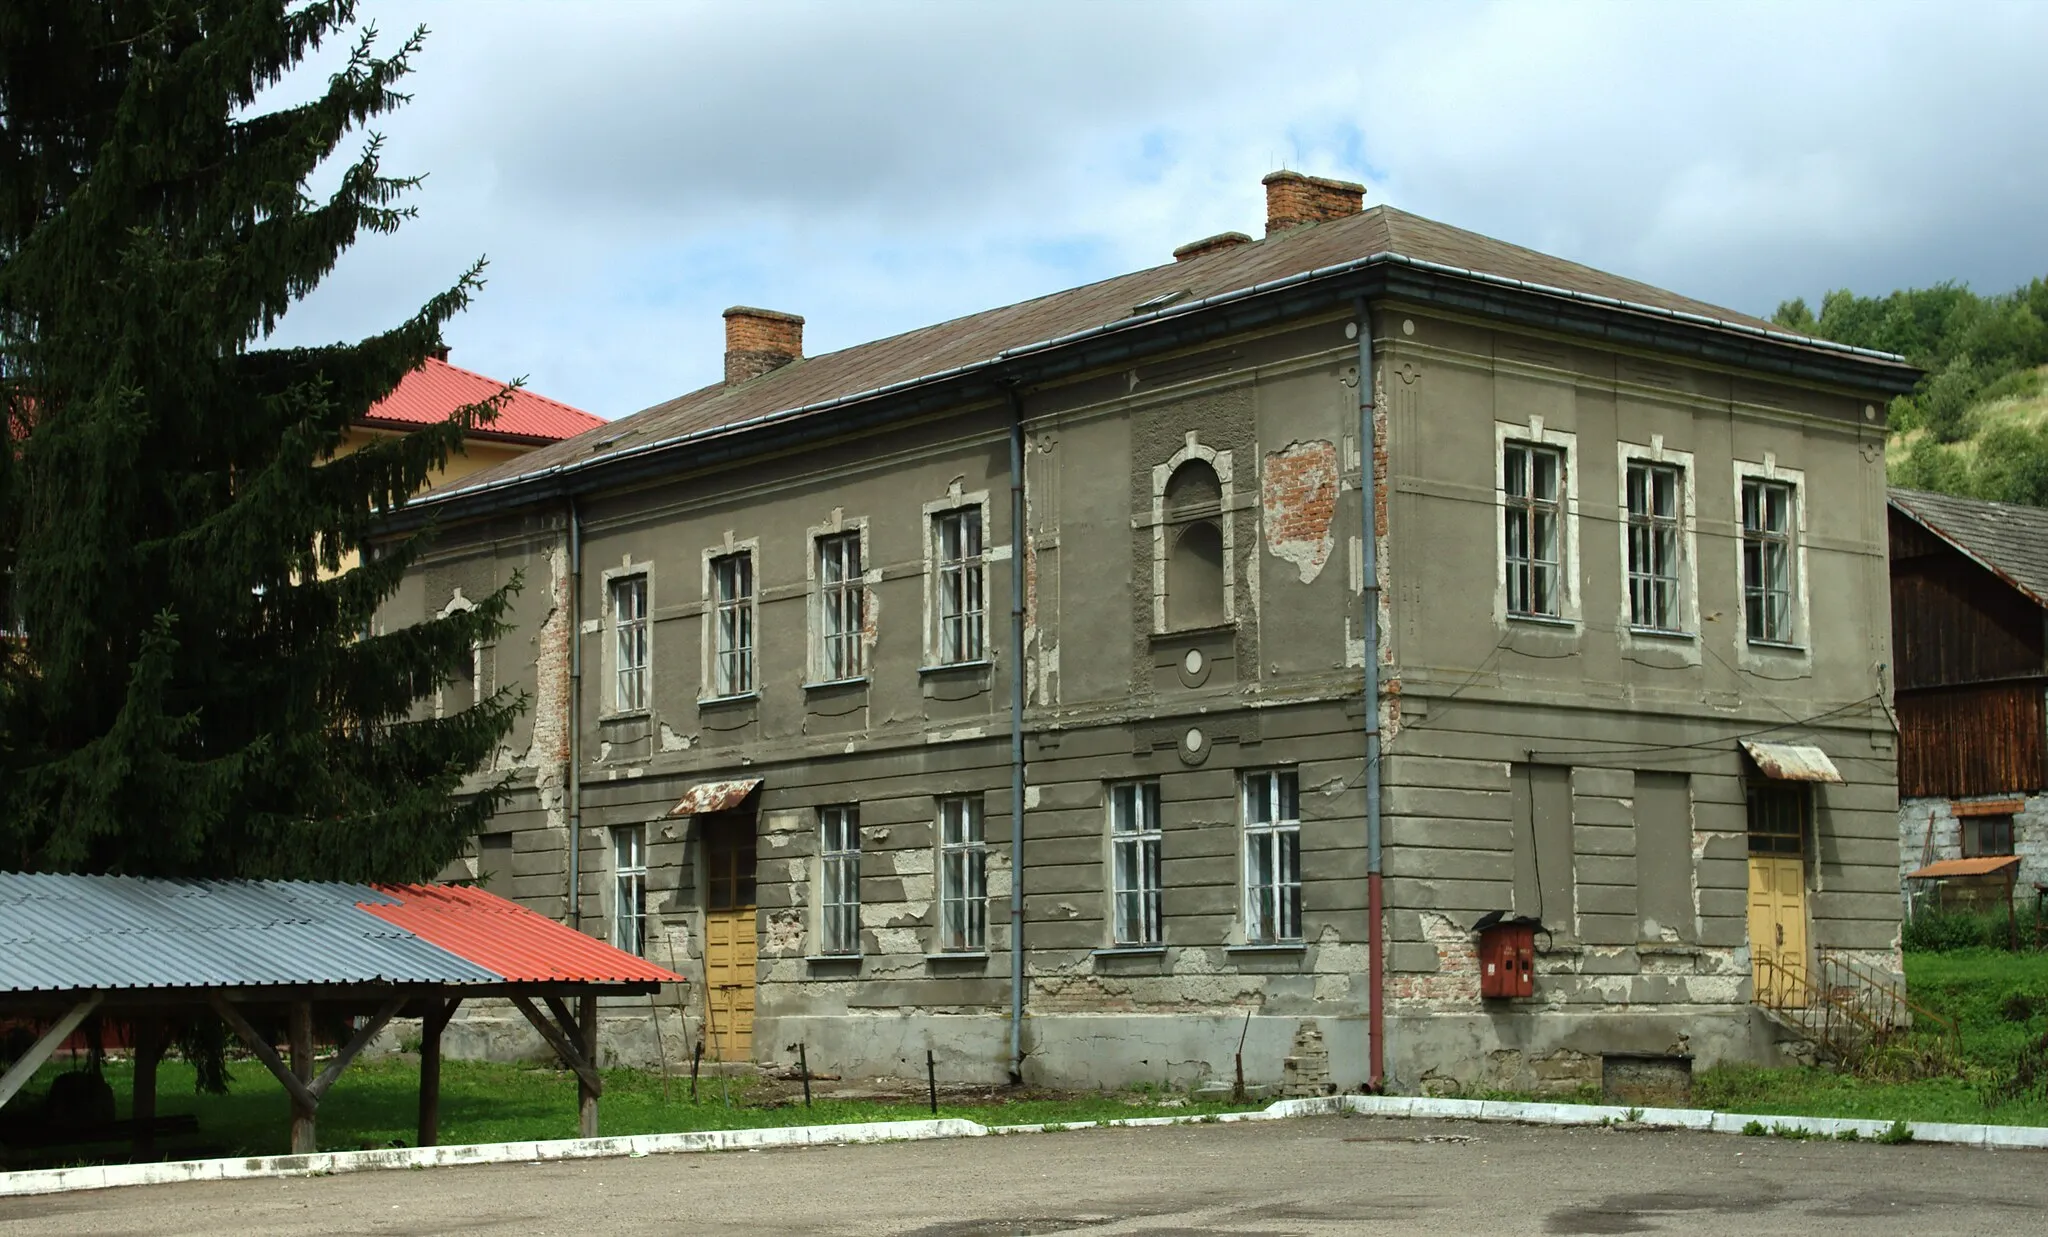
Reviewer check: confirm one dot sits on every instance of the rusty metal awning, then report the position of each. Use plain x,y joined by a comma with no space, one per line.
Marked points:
1983,865
708,797
1988,807
1792,762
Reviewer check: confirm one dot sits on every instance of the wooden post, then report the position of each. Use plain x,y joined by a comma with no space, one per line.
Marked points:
149,1049
302,1067
436,1020
586,1095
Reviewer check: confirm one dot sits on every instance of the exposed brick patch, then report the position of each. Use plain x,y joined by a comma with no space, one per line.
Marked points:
1298,495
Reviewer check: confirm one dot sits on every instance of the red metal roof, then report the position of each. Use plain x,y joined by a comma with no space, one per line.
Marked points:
503,936
437,389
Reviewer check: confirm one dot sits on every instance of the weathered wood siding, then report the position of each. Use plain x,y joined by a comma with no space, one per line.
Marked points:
1982,740
1953,622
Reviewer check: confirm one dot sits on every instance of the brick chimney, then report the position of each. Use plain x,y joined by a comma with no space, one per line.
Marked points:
758,340
1293,199
1210,244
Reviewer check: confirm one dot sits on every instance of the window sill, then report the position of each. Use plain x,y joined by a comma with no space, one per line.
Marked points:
860,680
715,701
1189,633
1132,951
945,666
1270,947
626,715
1777,646
1544,620
833,959
958,955
1663,633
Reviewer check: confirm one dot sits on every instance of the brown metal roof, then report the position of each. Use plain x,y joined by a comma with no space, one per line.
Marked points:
979,338
708,797
2009,541
1985,865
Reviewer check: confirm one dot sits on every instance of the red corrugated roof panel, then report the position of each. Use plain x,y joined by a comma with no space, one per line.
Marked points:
436,389
505,937
1985,865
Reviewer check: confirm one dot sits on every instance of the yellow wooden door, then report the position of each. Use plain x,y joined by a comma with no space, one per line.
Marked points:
730,943
1777,928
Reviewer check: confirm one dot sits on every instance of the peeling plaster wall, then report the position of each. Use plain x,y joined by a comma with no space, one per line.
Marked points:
1110,697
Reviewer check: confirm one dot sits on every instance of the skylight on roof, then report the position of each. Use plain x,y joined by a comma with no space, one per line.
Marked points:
1161,301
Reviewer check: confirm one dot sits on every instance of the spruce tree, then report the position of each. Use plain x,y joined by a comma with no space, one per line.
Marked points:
201,689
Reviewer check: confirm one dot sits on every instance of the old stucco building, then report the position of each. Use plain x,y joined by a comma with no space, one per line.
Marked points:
795,663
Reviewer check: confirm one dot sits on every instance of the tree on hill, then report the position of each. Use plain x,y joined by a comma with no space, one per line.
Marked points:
199,689
1979,352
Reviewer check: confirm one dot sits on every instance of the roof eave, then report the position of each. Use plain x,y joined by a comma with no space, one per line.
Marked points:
1177,326
1950,541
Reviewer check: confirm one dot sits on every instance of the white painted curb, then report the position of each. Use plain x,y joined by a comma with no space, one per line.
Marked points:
57,1180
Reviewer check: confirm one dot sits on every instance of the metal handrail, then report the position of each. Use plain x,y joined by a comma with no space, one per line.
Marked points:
1848,1009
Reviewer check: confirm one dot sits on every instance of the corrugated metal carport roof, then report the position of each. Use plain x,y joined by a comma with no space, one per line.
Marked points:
81,933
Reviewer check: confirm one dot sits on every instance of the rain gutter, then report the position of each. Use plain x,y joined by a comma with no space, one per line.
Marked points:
1017,568
1369,630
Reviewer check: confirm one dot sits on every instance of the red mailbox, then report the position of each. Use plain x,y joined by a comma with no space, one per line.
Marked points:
1507,958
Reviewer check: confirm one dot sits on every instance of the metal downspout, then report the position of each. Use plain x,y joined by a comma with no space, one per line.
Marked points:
574,789
1017,568
1369,597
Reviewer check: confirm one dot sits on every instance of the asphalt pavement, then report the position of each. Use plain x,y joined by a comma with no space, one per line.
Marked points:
1311,1176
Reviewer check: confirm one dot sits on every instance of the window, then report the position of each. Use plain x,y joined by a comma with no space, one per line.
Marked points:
842,608
839,880
1767,560
1777,819
1272,858
1193,509
1986,835
1531,485
629,896
1653,545
12,624
963,877
629,650
732,662
961,616
1134,863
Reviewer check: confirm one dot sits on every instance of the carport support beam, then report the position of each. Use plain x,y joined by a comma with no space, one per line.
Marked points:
32,1060
431,1026
301,1018
149,1049
586,1095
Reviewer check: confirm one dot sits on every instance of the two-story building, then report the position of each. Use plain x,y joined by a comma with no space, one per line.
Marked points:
1054,689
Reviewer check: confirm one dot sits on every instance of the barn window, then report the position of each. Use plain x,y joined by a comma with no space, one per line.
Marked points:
1193,511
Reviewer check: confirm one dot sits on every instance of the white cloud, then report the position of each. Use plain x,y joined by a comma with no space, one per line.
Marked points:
633,169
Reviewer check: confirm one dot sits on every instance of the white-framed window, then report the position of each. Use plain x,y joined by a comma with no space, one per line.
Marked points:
630,668
842,608
961,578
1134,864
1272,857
1532,528
629,888
963,876
839,879
732,603
1655,539
1769,560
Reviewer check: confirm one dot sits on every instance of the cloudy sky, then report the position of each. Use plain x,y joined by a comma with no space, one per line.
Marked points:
631,169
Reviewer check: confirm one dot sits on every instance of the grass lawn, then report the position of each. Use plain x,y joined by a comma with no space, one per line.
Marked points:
1999,1002
375,1104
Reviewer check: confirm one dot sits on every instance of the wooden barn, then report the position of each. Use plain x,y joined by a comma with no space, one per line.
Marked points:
1969,615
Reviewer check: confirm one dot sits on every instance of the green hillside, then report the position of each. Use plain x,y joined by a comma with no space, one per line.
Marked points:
1978,424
